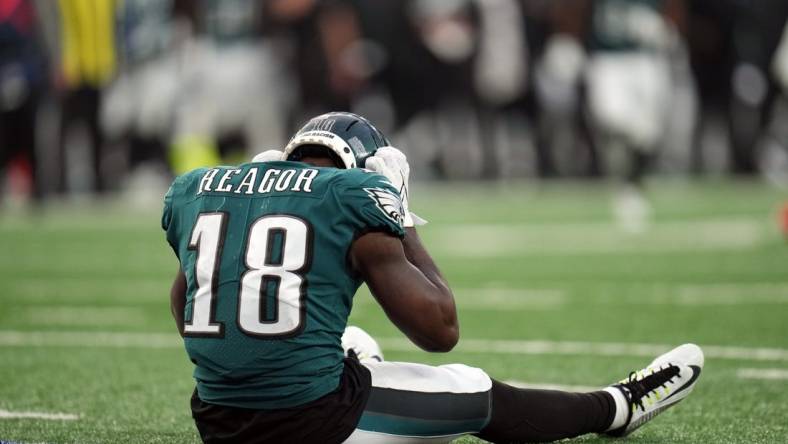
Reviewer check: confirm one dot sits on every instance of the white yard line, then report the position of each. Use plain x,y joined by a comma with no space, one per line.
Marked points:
694,295
89,339
513,347
770,374
498,299
6,414
542,347
509,298
733,294
502,298
80,289
84,315
550,386
493,240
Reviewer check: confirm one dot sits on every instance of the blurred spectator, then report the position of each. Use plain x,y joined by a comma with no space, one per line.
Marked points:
323,39
564,145
23,77
501,75
773,153
733,43
84,61
468,88
427,68
449,35
755,36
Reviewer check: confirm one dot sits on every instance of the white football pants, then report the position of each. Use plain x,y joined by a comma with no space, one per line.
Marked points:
416,403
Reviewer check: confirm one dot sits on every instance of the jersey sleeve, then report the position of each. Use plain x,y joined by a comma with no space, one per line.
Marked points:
166,216
175,195
373,203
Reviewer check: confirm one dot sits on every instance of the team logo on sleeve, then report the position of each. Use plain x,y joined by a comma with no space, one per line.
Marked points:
388,203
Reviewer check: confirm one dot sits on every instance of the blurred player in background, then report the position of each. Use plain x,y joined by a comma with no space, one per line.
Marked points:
139,106
234,94
271,255
629,85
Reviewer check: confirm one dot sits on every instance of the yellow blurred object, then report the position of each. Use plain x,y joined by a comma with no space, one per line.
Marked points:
88,41
190,152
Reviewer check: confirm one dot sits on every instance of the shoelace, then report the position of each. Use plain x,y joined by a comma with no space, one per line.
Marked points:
640,385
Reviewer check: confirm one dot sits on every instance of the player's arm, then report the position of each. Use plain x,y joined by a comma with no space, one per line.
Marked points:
178,299
408,285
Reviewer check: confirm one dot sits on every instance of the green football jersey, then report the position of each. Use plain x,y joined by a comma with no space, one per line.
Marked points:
264,247
627,25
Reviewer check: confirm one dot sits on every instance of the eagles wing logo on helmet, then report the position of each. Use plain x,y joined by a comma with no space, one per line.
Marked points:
388,203
324,125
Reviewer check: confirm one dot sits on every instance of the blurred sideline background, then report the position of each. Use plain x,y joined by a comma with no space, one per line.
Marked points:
105,96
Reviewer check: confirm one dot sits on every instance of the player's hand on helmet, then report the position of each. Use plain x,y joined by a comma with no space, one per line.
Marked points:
393,165
269,156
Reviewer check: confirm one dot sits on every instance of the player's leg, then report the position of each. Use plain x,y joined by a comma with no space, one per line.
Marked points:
414,403
359,343
542,415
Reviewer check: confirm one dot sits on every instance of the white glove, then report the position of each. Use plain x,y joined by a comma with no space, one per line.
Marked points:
362,344
392,164
268,156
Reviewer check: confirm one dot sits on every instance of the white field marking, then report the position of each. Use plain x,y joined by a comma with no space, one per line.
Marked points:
89,339
509,298
733,294
772,374
50,289
535,347
6,414
661,293
492,240
84,315
729,294
549,386
498,299
542,347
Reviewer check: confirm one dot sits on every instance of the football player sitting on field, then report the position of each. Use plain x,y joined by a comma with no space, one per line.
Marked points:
271,253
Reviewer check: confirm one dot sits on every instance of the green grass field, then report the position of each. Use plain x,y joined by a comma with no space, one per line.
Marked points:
550,292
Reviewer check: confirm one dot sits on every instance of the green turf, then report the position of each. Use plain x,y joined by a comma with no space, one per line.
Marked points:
527,262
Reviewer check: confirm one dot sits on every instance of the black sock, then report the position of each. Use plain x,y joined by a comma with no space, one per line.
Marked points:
526,415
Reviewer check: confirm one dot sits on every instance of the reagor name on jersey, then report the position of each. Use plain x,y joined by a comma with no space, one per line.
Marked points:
258,180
